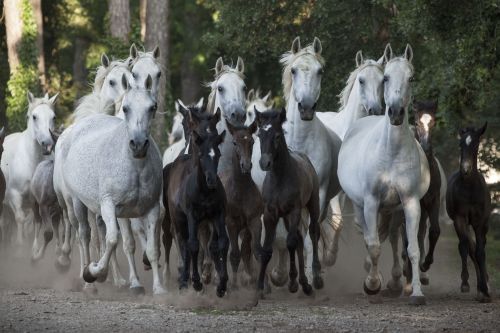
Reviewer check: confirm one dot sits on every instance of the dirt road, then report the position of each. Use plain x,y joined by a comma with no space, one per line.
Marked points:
36,298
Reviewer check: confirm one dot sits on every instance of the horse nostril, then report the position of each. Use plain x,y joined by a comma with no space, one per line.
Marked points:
132,143
146,143
390,112
300,105
314,106
233,115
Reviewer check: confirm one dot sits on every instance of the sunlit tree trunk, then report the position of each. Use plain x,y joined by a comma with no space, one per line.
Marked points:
80,72
14,30
119,19
142,14
157,33
37,11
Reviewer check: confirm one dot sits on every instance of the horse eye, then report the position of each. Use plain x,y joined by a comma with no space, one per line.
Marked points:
293,71
220,89
411,79
34,117
125,109
111,83
158,75
386,78
134,75
320,71
361,81
153,108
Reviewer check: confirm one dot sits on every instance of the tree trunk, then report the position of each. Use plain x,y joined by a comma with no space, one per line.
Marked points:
14,31
142,15
119,19
80,72
38,16
190,80
157,34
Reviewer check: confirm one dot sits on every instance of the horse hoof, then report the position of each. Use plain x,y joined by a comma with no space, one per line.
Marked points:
278,278
375,299
330,258
318,282
87,276
307,289
147,268
102,278
220,292
137,291
465,288
206,277
90,290
483,298
424,280
293,286
368,291
197,285
63,265
425,266
417,300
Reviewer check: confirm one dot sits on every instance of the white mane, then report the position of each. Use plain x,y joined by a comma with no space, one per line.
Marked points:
93,103
225,69
289,58
344,95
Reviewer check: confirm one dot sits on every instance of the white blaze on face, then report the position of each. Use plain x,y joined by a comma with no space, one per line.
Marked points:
267,127
211,153
425,120
468,140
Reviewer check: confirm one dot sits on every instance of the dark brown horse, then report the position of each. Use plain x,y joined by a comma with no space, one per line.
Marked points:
194,193
468,204
244,202
425,120
291,185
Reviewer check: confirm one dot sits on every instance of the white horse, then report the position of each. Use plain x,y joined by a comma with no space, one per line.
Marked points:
305,133
362,96
22,153
254,101
106,93
113,167
382,167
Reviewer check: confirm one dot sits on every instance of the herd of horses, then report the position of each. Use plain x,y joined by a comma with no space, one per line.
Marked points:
236,165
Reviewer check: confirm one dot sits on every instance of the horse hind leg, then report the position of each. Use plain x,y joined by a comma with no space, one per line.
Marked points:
434,232
153,249
136,287
235,253
483,294
63,261
246,256
461,226
394,285
369,215
42,218
167,239
278,274
422,232
333,225
204,233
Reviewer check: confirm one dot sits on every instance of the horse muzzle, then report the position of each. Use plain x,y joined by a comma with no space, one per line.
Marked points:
139,148
396,115
47,148
265,162
246,167
307,110
211,181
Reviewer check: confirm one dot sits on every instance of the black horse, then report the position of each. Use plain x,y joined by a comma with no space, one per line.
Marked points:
194,193
291,185
468,204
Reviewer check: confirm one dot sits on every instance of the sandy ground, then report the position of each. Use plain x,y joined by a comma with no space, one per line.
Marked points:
37,298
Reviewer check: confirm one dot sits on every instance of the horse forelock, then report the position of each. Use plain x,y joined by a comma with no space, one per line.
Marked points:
288,59
346,92
401,60
37,102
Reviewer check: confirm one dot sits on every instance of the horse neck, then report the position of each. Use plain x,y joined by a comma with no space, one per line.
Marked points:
297,130
236,172
352,111
395,138
31,144
226,148
281,162
197,171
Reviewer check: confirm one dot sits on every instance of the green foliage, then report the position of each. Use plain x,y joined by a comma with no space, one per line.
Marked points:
26,75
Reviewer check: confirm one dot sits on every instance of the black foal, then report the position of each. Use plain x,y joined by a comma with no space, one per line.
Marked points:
468,204
291,185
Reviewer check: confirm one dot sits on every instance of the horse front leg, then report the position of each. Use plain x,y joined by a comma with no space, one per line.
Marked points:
422,232
434,232
167,239
411,208
394,285
204,234
461,228
373,281
138,230
194,249
278,274
483,294
63,261
55,220
221,255
39,245
333,225
152,250
128,244
266,252
233,230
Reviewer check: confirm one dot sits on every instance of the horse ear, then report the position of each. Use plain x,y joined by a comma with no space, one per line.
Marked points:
265,98
182,108
219,65
388,52
296,45
177,107
149,82
217,114
317,45
482,129
31,98
380,60
409,53
46,96
104,60
359,58
258,115
199,105
125,82
240,65
253,126
133,51
220,137
251,95
53,99
156,52
283,115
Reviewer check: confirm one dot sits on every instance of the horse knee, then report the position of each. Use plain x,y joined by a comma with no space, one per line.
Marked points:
292,241
193,245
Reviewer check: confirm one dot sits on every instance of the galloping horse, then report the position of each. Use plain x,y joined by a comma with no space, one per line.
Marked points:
382,167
